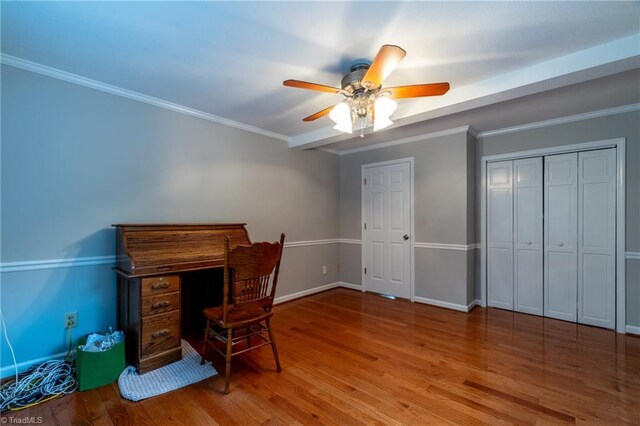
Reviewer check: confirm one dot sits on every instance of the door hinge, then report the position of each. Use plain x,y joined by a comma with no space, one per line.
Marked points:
365,226
365,271
365,181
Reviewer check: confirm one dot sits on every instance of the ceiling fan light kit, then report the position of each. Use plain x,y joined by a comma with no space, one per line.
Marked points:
363,112
367,103
341,115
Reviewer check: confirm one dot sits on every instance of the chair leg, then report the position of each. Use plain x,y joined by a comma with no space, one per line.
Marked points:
273,345
227,371
204,345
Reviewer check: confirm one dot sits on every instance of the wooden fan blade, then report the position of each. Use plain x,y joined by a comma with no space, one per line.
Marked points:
318,114
418,90
388,57
311,86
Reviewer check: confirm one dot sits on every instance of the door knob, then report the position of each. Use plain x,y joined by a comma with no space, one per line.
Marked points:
529,243
406,237
561,244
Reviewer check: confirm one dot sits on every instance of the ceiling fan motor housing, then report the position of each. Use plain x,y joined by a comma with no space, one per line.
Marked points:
352,82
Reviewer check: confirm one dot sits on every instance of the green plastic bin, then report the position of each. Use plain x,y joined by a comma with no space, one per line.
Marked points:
95,369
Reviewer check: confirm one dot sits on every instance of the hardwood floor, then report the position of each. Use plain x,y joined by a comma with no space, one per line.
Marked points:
355,358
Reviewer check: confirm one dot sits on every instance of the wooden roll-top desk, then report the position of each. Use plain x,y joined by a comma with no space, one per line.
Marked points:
164,279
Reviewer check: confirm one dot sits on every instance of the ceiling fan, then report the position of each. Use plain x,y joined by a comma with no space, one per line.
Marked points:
367,102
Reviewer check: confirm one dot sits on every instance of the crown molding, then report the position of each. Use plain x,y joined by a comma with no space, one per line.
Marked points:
130,94
328,150
473,132
411,139
561,120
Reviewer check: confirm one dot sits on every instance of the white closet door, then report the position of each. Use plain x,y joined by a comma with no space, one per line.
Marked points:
500,235
527,225
560,236
596,238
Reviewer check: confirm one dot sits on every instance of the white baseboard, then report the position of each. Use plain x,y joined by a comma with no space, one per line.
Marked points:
303,293
308,292
632,329
349,285
448,305
9,370
473,304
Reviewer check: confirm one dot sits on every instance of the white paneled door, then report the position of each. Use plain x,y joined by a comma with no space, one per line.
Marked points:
596,238
560,235
500,234
386,235
551,236
527,226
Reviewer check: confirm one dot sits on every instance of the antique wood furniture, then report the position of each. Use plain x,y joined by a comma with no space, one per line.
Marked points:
155,265
250,280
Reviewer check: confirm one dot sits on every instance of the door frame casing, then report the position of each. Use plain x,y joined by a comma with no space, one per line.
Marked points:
412,267
620,145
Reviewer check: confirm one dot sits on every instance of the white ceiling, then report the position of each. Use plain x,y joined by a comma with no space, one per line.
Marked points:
229,59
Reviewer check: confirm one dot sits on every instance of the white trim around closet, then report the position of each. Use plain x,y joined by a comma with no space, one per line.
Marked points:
620,145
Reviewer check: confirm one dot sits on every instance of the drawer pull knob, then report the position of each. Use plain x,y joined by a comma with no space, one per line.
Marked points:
160,333
159,305
157,286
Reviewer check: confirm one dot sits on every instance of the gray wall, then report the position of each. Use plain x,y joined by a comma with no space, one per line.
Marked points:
622,125
76,160
444,204
350,259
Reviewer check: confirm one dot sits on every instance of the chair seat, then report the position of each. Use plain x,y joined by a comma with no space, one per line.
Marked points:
238,315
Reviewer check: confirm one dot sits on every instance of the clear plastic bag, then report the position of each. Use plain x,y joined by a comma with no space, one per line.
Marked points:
97,342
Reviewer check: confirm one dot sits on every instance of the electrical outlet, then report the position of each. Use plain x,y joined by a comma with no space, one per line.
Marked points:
324,270
71,320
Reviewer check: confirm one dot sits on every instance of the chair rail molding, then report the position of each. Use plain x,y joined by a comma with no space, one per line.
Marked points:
457,247
32,265
70,262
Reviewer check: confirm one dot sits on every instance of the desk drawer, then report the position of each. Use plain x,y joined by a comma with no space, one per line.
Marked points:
160,284
160,303
160,333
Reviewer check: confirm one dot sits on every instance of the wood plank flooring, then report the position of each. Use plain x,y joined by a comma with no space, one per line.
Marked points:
356,358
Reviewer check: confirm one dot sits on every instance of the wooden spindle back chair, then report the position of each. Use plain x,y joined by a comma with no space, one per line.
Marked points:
250,280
